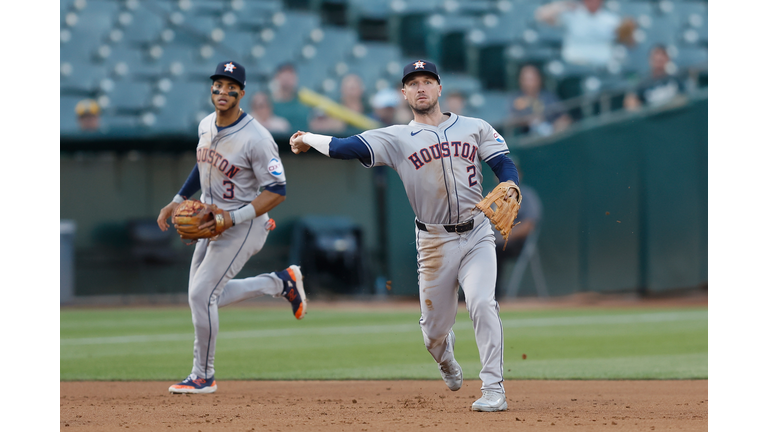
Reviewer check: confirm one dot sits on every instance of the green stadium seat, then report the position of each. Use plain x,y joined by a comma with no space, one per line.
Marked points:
692,57
335,45
459,82
494,107
407,25
445,40
369,18
145,26
130,96
83,79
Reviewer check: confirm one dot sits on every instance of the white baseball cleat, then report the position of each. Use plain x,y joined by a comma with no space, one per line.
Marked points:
490,402
450,370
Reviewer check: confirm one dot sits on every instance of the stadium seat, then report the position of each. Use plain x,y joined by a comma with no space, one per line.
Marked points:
145,26
407,25
494,106
463,83
83,79
691,57
445,40
369,18
334,46
371,62
128,96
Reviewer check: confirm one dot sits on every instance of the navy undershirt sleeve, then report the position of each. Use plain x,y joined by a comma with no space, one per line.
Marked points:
278,189
192,185
504,169
349,148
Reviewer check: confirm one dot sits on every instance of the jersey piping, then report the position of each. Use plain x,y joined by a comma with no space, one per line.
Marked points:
445,182
456,190
210,329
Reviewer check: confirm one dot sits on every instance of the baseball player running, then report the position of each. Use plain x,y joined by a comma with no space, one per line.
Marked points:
437,156
236,156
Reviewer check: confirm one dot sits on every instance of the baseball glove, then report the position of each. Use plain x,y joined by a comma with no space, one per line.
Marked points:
190,214
503,217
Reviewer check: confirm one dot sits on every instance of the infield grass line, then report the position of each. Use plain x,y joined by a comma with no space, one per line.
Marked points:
394,328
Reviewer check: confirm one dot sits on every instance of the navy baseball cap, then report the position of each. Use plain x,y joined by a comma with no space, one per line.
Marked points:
232,70
420,66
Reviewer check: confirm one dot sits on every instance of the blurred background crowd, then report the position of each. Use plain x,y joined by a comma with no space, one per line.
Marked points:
130,66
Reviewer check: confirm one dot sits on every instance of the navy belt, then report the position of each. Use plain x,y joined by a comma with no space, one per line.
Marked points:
458,228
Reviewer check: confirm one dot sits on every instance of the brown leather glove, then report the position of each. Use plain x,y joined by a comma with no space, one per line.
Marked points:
190,214
503,217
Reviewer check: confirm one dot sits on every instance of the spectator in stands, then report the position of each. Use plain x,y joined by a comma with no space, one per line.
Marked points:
385,103
660,87
352,90
88,115
590,30
320,121
351,97
456,102
261,110
528,218
534,110
285,98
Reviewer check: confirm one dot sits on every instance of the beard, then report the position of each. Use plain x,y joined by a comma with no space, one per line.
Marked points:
424,111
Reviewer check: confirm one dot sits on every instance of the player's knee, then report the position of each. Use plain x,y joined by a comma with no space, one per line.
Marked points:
198,299
477,307
432,341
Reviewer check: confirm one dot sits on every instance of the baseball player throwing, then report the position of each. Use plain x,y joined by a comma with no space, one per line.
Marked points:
437,156
236,157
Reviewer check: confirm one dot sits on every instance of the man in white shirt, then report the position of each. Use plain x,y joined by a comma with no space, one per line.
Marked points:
590,30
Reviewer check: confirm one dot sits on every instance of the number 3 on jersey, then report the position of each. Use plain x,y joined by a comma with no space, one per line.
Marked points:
230,192
471,169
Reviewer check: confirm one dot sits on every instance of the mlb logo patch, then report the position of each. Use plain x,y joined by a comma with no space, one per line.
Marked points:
497,137
275,167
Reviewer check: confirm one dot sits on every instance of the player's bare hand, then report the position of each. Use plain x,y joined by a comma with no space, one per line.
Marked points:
165,213
297,143
512,192
211,224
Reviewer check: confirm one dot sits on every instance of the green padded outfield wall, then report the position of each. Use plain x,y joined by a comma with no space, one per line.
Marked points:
625,203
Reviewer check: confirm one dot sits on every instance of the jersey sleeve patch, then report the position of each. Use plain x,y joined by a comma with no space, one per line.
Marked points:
275,167
497,136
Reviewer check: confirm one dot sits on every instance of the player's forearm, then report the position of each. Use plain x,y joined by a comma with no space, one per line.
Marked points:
504,169
338,148
191,186
266,201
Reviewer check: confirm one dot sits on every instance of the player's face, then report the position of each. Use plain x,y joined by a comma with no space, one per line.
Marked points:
422,91
224,100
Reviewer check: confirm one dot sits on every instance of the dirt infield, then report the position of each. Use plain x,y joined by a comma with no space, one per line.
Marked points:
384,406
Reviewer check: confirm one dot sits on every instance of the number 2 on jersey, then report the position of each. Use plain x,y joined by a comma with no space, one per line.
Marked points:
471,169
230,192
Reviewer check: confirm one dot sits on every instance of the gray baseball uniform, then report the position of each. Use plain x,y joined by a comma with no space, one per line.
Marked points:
234,163
441,170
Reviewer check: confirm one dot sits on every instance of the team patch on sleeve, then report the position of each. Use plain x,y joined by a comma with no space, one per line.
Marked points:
497,137
275,167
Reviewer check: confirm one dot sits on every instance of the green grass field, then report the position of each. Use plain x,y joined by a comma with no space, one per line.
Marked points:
255,343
